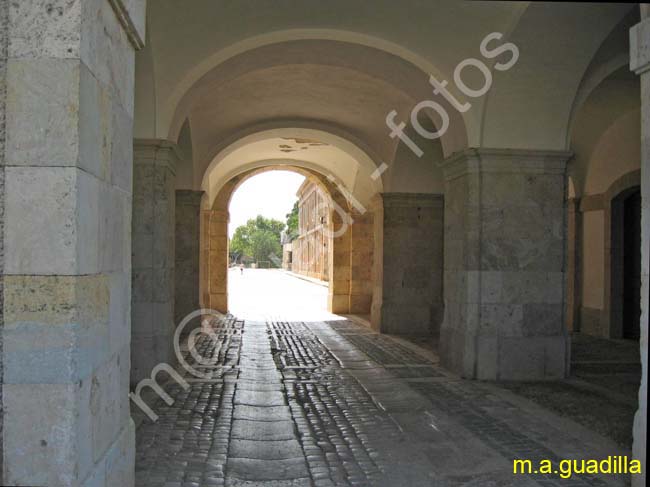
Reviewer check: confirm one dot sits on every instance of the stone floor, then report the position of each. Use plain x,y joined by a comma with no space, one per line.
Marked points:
329,402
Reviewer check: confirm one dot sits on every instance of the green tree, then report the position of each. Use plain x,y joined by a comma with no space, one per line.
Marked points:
259,239
292,222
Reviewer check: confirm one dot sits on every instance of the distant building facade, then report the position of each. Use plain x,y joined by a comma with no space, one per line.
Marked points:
308,253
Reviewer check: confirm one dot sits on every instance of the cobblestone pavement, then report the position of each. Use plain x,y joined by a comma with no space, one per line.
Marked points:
332,403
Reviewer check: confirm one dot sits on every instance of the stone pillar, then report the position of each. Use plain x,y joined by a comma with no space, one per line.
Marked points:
4,40
214,240
504,279
412,264
188,235
338,297
574,226
640,64
67,236
361,261
152,313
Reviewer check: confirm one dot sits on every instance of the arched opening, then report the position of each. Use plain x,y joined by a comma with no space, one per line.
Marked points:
626,264
345,233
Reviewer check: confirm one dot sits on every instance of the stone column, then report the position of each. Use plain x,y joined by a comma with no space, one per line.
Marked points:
338,297
504,282
67,236
215,250
361,259
640,64
152,316
4,40
574,227
188,235
412,264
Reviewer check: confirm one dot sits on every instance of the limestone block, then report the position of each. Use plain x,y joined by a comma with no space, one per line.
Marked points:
163,250
487,355
142,257
163,319
405,320
62,235
639,47
124,362
142,319
114,229
43,103
120,460
218,302
502,319
95,125
97,477
338,303
105,49
143,357
119,311
360,303
45,28
61,354
121,152
36,453
56,300
142,285
219,243
526,357
143,176
104,407
542,319
359,287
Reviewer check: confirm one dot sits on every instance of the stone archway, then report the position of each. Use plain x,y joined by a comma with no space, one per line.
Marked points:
350,246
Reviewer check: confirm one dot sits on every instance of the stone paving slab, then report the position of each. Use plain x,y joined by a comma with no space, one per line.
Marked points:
263,430
260,398
265,450
305,482
262,413
262,470
256,385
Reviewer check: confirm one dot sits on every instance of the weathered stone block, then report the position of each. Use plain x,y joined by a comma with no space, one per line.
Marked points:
120,460
106,51
29,433
56,300
62,237
45,28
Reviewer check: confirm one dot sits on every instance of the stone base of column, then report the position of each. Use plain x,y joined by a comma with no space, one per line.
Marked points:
338,303
510,358
219,302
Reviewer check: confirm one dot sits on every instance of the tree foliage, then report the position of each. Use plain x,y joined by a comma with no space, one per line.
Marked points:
292,222
259,240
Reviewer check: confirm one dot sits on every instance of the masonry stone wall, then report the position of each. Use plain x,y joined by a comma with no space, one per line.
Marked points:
67,265
154,207
640,63
4,19
186,272
504,284
412,263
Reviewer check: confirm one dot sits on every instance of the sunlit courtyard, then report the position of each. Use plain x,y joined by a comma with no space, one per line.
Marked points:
273,294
